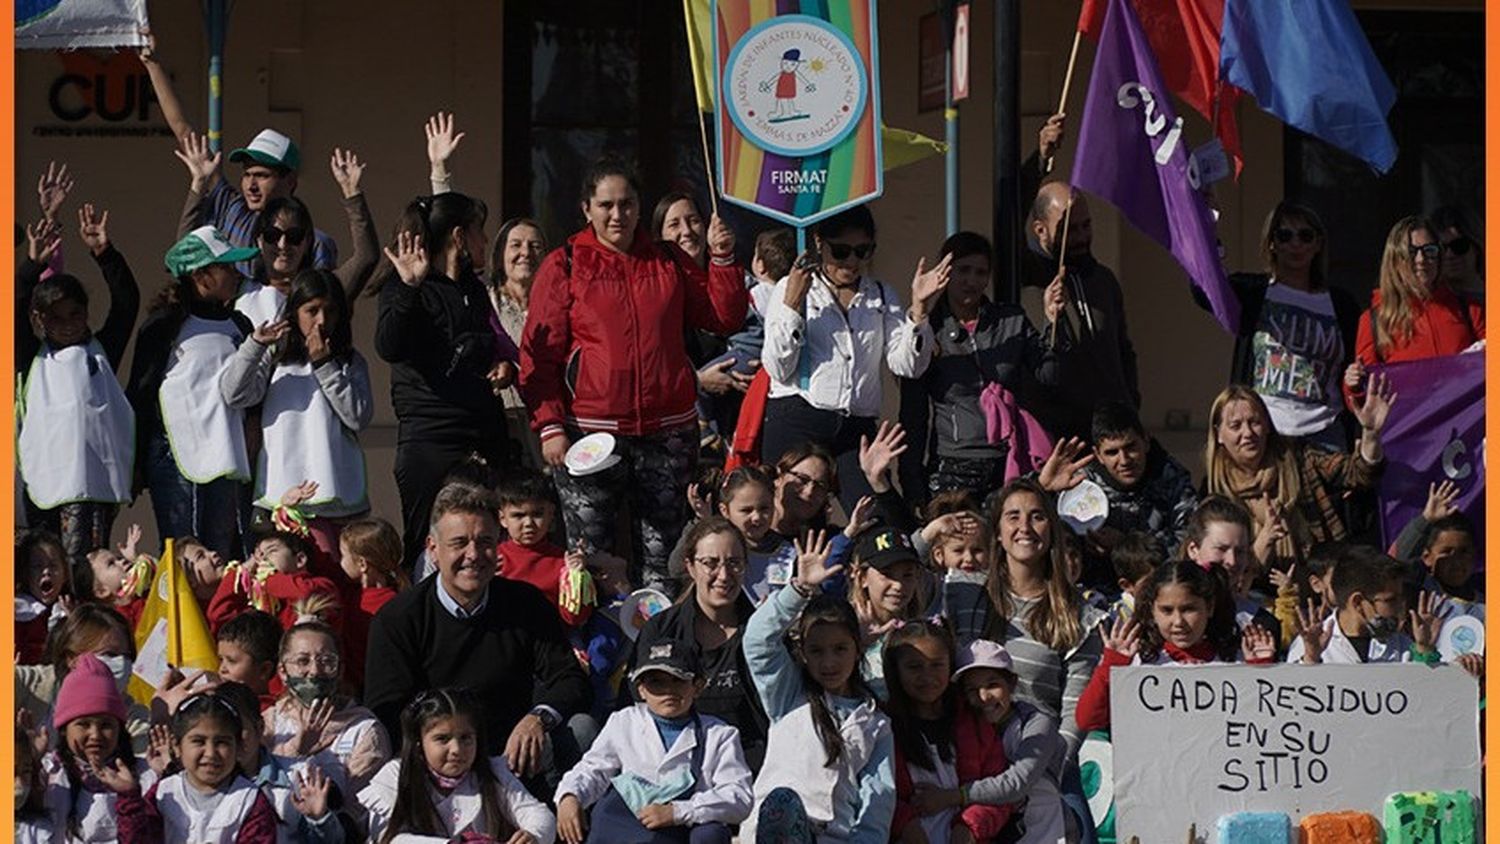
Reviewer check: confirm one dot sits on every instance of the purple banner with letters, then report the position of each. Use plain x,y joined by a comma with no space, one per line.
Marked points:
1131,152
1435,432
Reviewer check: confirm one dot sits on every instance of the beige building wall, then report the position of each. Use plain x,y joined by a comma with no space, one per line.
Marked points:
365,75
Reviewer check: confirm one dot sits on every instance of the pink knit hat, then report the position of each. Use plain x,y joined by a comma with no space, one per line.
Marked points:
89,689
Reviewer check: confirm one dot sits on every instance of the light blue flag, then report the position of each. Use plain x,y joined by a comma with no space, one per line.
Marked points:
1309,63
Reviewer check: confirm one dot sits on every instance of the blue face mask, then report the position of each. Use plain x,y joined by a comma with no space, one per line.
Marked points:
119,667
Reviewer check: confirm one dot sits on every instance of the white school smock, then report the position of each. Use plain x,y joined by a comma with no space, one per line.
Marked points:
630,743
93,807
305,440
77,439
939,825
460,808
795,759
260,303
203,818
207,436
1340,651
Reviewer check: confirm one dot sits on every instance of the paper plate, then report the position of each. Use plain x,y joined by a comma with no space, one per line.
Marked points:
638,608
593,453
1461,634
1084,507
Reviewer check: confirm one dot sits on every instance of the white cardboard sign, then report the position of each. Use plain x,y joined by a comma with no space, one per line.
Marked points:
1192,743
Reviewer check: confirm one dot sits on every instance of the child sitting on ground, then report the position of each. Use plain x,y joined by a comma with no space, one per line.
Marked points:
1033,747
659,764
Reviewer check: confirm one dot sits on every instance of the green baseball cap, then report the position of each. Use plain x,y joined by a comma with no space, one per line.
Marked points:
270,148
203,246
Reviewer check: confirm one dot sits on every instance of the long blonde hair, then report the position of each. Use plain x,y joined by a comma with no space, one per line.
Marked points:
1400,291
1055,622
1279,452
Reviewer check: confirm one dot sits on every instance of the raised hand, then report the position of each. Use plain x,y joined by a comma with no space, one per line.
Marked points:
698,499
159,750
877,456
130,548
147,51
295,496
43,238
1273,531
1441,501
271,332
720,237
117,777
202,165
52,188
1050,137
1124,637
1472,663
1283,580
314,722
812,561
179,686
1257,644
1064,467
950,524
1315,636
927,285
442,141
347,168
862,518
1425,621
310,792
94,230
1373,411
409,259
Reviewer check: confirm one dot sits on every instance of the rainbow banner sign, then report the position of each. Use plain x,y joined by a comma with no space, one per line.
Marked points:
799,106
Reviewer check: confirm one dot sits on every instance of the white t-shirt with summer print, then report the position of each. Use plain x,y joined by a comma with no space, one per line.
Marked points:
1297,352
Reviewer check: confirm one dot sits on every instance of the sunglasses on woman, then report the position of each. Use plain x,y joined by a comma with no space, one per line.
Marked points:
271,234
842,251
1306,235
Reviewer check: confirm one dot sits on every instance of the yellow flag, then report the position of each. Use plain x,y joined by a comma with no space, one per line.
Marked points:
700,50
172,630
899,147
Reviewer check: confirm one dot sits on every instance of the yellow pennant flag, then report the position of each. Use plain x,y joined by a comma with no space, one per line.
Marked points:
899,147
172,630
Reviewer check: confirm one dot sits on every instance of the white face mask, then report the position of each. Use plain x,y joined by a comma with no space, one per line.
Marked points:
120,667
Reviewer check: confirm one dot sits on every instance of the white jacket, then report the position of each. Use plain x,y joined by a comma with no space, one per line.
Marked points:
832,358
630,743
1340,651
216,823
460,808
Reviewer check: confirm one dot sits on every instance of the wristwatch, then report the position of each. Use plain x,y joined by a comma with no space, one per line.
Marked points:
546,716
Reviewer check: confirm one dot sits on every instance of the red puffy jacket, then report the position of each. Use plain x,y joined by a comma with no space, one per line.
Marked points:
1446,324
604,347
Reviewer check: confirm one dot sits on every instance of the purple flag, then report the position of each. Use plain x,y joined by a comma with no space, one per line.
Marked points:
1435,433
1132,153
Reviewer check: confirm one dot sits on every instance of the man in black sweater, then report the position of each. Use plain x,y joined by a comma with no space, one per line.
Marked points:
464,627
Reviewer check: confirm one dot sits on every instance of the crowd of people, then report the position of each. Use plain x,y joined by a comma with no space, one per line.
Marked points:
878,629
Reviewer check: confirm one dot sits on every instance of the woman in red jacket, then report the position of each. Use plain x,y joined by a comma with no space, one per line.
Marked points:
1414,315
603,351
